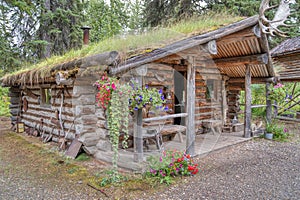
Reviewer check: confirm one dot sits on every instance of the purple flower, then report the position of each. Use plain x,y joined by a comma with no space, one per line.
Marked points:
150,99
162,97
153,171
166,108
136,108
160,91
146,86
160,159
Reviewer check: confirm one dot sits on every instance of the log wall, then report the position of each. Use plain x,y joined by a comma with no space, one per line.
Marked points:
45,116
233,98
15,103
208,108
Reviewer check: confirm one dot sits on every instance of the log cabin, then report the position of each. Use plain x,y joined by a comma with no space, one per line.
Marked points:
202,75
286,57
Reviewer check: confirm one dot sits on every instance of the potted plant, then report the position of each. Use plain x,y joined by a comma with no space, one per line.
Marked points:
270,126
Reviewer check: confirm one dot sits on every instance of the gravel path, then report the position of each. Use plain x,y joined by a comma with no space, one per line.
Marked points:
257,169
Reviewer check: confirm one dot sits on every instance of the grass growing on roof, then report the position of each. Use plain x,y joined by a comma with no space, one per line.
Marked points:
131,44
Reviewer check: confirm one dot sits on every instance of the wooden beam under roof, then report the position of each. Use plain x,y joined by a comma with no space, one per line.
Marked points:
243,60
253,80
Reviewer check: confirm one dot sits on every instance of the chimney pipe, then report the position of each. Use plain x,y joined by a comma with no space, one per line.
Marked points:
86,34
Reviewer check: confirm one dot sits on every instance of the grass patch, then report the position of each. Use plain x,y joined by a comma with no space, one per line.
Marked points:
83,157
130,45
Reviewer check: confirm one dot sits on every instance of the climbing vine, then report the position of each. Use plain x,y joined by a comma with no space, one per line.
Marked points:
119,100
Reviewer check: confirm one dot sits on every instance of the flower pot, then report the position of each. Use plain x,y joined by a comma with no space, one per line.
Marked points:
269,136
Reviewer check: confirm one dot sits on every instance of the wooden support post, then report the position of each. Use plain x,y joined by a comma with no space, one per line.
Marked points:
190,120
268,103
224,100
248,98
137,132
275,109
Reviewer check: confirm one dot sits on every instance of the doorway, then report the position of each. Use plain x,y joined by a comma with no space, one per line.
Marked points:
179,95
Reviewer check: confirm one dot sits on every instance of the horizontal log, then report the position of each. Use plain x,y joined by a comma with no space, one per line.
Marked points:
253,80
47,124
235,87
165,117
287,119
242,60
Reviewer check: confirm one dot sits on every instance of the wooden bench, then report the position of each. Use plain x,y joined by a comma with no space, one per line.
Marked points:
154,129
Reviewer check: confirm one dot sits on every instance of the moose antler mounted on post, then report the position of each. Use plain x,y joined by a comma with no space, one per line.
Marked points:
271,26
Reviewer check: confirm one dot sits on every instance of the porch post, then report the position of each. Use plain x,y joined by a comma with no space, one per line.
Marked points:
190,107
247,131
268,103
137,131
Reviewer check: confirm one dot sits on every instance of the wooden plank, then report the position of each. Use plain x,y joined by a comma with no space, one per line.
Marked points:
265,48
165,117
253,80
137,131
190,120
248,98
74,148
268,104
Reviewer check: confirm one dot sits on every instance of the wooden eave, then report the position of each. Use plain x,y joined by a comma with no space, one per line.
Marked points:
34,76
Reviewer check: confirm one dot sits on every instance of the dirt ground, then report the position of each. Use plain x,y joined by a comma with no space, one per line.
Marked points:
30,169
257,169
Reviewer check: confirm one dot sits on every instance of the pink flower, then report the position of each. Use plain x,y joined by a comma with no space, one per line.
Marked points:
113,86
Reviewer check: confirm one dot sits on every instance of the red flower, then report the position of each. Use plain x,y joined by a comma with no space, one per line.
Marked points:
196,170
191,168
188,156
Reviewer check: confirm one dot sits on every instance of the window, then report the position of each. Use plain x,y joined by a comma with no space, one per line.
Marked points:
211,89
45,97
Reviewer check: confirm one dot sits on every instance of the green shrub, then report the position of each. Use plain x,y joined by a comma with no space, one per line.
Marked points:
4,102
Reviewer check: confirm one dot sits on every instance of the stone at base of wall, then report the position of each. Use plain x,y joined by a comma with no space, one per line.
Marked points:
90,150
125,160
90,139
104,145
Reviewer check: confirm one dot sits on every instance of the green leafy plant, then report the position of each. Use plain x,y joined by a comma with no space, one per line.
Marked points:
269,127
277,93
112,178
170,165
280,133
82,157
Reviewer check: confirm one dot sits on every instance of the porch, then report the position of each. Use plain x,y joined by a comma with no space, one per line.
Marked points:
204,144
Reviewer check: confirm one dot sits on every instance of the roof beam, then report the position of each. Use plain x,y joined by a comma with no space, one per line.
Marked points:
253,80
243,60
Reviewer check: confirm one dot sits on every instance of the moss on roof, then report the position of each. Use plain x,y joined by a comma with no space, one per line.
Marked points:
128,45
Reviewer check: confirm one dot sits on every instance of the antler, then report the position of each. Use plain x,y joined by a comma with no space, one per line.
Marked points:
281,15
